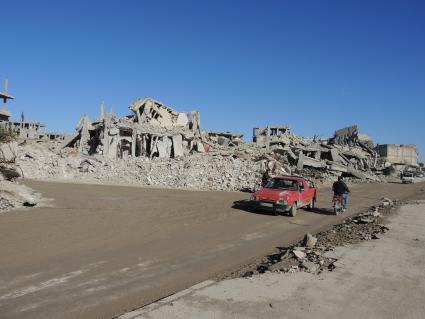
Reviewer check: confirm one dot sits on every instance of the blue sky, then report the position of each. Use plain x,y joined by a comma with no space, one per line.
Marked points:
314,65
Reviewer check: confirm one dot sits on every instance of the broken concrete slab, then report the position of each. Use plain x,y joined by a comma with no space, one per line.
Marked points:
299,254
178,145
310,241
310,162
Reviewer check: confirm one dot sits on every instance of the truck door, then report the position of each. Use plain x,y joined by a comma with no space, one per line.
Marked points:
308,193
304,193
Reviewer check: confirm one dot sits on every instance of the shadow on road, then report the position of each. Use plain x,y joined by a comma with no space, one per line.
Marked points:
322,211
245,205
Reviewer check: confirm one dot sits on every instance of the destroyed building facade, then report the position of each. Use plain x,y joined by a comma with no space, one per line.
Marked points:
153,130
271,135
398,154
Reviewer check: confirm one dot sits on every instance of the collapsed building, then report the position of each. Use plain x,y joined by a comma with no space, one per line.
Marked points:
153,130
347,153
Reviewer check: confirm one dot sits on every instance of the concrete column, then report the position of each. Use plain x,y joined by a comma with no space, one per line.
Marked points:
133,143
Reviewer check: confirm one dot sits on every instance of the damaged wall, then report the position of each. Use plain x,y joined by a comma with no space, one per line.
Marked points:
271,135
398,153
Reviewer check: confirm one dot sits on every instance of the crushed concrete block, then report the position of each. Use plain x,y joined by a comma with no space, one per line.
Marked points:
182,119
8,152
310,241
200,147
309,266
299,254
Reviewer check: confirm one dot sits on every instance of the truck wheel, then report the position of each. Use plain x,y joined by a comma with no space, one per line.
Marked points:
293,210
312,204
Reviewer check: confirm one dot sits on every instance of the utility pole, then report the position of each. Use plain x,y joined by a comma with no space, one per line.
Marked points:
6,84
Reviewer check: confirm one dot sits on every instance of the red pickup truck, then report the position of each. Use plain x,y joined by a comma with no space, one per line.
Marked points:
285,194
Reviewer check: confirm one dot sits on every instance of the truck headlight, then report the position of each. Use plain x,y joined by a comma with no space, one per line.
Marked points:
282,202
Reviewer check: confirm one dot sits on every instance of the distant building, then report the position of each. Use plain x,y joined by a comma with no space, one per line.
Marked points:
398,154
23,129
4,114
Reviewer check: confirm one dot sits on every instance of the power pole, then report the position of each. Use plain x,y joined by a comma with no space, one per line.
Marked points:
6,84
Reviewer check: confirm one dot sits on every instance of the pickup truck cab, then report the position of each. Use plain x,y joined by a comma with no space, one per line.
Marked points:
285,194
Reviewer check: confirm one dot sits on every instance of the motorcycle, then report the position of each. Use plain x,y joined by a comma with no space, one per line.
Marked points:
337,204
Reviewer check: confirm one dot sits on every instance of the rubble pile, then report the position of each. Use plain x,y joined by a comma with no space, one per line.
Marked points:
12,194
347,155
312,254
198,171
159,146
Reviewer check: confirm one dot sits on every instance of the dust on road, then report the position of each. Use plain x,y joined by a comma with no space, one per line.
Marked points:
102,250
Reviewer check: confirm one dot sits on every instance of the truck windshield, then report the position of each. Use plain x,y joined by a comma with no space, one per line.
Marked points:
279,183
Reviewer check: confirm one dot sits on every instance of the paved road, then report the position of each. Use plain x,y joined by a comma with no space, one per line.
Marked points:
377,279
101,250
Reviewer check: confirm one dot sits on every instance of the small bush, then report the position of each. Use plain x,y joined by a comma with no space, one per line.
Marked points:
6,135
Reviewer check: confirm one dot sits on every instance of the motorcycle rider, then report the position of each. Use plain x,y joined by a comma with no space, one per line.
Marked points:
341,189
266,177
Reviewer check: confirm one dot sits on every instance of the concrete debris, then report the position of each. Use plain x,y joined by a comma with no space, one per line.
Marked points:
8,172
309,266
310,241
299,254
318,257
12,194
199,171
